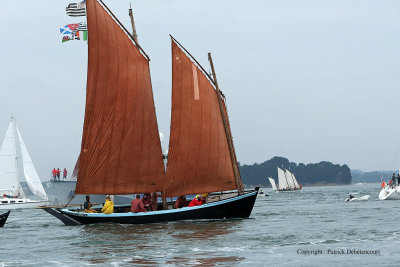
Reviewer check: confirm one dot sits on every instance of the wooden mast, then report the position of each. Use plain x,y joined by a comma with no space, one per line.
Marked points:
227,131
133,24
134,35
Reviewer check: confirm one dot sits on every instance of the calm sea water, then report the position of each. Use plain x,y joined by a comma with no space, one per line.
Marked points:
282,229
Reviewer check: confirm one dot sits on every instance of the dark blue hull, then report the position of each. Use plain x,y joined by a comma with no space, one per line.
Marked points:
3,218
234,207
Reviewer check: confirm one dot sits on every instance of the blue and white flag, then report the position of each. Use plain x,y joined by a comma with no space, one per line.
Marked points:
76,9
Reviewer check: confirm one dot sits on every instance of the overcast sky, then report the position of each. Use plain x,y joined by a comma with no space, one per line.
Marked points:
307,80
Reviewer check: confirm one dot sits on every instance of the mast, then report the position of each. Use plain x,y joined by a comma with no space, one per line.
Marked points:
133,25
227,130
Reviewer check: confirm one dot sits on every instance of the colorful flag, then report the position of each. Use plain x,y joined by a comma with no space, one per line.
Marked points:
84,37
76,9
69,29
69,37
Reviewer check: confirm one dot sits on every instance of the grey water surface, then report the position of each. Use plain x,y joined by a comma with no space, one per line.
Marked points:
314,227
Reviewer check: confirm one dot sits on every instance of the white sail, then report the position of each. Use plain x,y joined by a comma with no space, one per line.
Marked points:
272,181
289,178
9,183
283,184
31,176
296,184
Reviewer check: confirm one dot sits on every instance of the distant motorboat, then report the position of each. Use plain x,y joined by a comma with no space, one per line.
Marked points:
363,198
12,196
262,193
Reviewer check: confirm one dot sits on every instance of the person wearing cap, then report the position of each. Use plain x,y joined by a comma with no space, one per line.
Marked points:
108,207
88,206
197,201
137,205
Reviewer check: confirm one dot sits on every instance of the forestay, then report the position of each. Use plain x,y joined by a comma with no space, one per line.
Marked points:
31,176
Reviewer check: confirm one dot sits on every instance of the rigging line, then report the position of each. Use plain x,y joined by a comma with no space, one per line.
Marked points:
125,30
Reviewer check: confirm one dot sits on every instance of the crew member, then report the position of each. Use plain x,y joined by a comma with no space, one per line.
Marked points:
88,206
108,207
180,202
137,205
197,201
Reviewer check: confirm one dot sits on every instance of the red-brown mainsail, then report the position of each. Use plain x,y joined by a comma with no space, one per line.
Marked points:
199,159
121,151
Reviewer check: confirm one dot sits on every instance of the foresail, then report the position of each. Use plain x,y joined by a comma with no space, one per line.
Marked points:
283,184
296,184
31,176
272,181
289,179
9,183
121,150
199,160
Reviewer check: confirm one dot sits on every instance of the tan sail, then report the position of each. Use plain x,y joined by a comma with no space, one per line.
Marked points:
121,150
198,160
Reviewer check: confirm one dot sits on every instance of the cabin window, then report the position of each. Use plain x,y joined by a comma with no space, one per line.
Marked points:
12,201
20,201
4,201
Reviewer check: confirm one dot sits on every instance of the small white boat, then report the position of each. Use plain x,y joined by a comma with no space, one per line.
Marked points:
12,196
363,198
390,192
262,193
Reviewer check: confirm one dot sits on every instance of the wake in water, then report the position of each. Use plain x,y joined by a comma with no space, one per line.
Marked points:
352,198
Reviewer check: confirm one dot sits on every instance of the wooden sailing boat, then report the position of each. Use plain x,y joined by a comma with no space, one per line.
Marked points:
287,181
121,151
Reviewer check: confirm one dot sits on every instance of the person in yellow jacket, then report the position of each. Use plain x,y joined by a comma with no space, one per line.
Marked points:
108,207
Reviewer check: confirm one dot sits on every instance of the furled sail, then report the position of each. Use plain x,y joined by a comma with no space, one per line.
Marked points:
31,176
9,183
199,160
121,150
283,184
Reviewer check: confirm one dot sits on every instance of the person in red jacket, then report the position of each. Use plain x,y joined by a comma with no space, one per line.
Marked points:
65,172
197,201
58,173
54,172
137,205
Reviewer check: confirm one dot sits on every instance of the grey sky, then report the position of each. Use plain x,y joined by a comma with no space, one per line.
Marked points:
307,80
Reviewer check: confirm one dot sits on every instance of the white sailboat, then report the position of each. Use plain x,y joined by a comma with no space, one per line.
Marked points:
282,181
273,184
11,194
294,183
287,181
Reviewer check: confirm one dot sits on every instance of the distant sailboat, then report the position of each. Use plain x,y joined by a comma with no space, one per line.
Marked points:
273,184
11,194
287,181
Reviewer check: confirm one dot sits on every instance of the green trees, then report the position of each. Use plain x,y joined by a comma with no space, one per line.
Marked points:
315,173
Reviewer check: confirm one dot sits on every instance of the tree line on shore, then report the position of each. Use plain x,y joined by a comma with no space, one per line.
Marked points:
320,173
